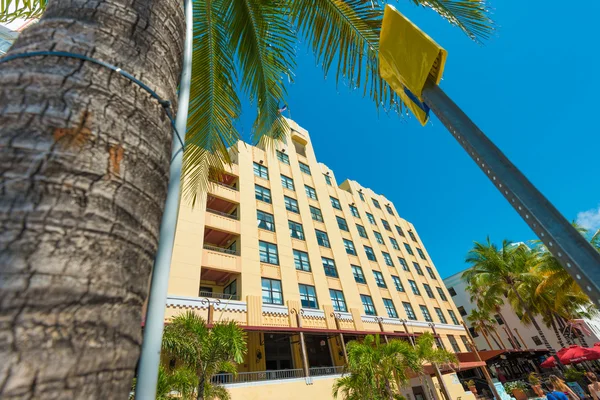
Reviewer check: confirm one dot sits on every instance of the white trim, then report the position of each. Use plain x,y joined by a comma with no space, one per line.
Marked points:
204,302
275,309
412,323
314,313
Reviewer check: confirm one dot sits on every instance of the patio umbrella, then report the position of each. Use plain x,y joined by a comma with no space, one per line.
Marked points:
572,355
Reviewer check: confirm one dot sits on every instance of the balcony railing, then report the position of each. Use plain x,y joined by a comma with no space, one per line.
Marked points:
322,371
223,214
222,296
221,250
224,185
242,377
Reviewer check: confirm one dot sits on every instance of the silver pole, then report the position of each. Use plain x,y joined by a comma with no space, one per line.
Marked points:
153,329
571,249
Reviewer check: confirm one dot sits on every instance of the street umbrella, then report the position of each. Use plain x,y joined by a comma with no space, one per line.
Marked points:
572,355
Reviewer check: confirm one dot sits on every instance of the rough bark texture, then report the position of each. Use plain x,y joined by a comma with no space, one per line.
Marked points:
84,157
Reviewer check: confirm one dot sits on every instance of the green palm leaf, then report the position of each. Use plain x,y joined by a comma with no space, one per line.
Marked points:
21,9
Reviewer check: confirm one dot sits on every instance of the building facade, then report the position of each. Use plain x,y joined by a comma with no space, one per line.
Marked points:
279,246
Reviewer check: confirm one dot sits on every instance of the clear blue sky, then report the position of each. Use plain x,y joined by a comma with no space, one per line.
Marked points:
530,87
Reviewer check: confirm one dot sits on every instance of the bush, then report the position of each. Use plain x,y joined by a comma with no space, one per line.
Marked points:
573,375
510,386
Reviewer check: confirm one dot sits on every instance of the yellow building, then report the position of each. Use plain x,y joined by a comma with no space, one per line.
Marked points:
280,247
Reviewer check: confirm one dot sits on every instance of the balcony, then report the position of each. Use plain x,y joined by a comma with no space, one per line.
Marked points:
224,191
221,221
244,377
220,296
221,259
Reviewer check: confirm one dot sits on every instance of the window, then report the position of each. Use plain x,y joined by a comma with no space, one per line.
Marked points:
453,317
461,310
304,168
394,243
402,262
315,213
452,291
399,230
389,209
327,179
454,343
418,268
379,279
389,307
296,230
308,296
361,231
408,249
378,237
262,193
430,272
388,259
342,223
367,302
354,211
410,313
412,235
428,291
473,332
425,312
271,291
440,315
335,203
536,340
386,225
287,182
261,171
310,192
329,267
465,342
498,319
301,261
322,238
398,283
442,294
337,300
371,218
349,247
370,254
357,271
291,204
376,203
231,289
265,221
421,254
414,287
284,158
268,253
362,196
439,343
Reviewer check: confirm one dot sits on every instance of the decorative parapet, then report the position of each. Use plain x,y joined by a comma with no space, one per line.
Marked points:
202,303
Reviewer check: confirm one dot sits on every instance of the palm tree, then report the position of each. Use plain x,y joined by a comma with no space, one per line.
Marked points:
482,322
206,351
84,155
181,380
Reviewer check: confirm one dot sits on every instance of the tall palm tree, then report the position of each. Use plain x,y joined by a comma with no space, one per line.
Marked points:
482,322
206,351
84,155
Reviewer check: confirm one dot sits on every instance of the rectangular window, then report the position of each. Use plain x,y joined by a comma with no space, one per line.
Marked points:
315,213
441,293
410,313
268,253
454,343
262,193
461,310
394,243
296,230
473,332
342,223
354,211
428,291
370,253
498,319
304,168
371,218
421,254
367,302
388,259
414,287
408,249
452,291
389,307
357,271
453,317
261,171
335,203
329,267
337,300
412,235
404,264
379,279
287,182
310,192
308,296
291,204
386,225
327,179
465,342
430,272
301,261
399,230
265,221
362,196
361,231
284,158
440,315
439,343
389,209
322,238
231,290
271,291
378,237
376,203
425,312
536,340
418,268
349,247
398,283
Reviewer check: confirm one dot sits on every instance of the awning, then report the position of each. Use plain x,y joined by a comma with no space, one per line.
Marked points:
289,329
462,366
493,355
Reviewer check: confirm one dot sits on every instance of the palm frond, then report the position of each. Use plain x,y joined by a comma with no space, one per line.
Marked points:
11,10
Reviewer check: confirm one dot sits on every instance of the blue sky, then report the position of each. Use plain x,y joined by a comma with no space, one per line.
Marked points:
530,88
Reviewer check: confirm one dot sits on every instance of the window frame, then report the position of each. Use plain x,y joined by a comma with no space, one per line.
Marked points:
268,253
378,237
293,204
316,212
431,273
286,182
414,287
418,268
271,291
295,225
387,259
361,276
328,179
310,192
322,241
409,310
354,211
425,312
370,253
329,267
453,317
305,168
262,191
362,232
371,218
261,169
390,308
379,280
265,224
284,158
300,261
394,243
400,231
335,203
440,315
342,223
351,249
428,290
421,254
398,284
441,293
368,305
338,300
389,209
386,225
308,296
404,264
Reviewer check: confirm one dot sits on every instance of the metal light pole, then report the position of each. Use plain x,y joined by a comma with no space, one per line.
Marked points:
153,330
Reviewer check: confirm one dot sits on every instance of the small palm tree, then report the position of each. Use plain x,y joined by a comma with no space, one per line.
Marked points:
205,351
181,380
482,322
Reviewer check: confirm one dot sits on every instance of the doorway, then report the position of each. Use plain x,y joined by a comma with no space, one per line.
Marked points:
278,352
317,347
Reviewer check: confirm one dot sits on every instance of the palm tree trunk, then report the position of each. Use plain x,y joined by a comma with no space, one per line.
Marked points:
201,388
486,339
499,338
556,332
84,159
511,336
495,341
